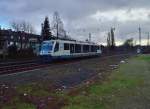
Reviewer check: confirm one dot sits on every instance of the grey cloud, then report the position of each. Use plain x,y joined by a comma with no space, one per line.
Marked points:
75,14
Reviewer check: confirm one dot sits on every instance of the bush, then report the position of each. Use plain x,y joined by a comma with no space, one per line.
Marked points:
12,51
26,53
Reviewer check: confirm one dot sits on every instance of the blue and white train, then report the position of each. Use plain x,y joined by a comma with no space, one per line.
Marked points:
65,49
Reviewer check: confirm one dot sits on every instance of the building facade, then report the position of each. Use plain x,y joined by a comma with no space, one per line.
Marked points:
21,39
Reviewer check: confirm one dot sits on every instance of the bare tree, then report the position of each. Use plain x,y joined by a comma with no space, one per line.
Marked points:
58,26
15,26
111,39
22,26
31,29
108,40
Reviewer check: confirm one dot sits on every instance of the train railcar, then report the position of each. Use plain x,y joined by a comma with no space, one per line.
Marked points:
66,49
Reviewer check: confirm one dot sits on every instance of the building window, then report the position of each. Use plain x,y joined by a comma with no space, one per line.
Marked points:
12,37
23,38
1,44
11,43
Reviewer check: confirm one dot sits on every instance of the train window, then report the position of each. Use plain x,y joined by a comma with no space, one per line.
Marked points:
89,48
78,48
56,47
92,48
98,47
95,48
66,46
85,48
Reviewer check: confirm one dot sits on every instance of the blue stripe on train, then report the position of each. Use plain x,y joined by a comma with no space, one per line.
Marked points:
49,58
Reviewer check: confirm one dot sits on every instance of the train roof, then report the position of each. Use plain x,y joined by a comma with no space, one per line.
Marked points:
72,41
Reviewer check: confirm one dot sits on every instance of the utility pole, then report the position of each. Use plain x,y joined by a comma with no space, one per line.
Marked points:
148,39
139,48
139,36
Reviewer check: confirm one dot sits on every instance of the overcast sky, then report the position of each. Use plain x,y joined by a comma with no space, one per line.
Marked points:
83,16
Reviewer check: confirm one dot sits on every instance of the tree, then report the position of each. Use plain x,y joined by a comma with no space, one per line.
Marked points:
12,50
45,32
108,40
111,39
15,26
129,42
58,26
22,26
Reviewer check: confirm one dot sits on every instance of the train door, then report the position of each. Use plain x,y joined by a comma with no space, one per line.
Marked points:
56,47
61,46
71,48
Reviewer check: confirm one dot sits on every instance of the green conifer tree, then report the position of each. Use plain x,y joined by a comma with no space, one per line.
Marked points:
46,34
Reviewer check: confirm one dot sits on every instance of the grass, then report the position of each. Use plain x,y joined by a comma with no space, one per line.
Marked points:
114,85
125,88
37,90
143,57
20,106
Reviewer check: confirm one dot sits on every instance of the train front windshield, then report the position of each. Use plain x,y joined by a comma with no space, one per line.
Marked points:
47,46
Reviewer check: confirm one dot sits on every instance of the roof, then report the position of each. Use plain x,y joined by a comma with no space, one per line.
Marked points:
16,33
67,39
73,41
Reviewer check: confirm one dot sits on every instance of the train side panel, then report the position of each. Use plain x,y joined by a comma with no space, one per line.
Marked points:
60,52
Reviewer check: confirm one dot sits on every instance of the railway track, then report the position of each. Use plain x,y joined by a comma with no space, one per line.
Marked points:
16,62
10,68
14,67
